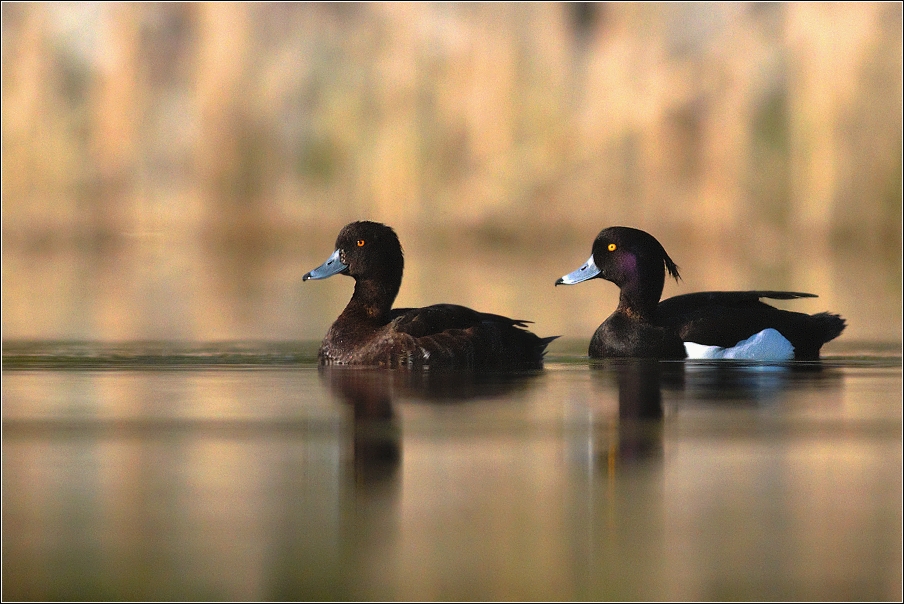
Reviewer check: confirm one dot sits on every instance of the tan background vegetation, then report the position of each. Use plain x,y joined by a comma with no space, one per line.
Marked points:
171,170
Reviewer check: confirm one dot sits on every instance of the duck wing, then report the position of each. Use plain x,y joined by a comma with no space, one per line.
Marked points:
700,301
435,319
452,335
726,318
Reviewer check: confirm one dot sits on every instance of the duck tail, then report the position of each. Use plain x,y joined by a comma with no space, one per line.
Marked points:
544,342
828,325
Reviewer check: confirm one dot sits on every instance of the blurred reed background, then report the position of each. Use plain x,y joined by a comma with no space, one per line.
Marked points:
170,171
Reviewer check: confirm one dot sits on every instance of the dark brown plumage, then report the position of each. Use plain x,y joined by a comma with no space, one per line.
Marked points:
370,332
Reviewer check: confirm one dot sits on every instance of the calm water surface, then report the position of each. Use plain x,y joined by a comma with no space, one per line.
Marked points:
245,472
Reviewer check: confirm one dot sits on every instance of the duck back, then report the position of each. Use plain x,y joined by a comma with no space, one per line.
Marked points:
725,318
443,335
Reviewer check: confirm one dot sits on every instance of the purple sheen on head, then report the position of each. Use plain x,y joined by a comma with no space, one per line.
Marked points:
627,262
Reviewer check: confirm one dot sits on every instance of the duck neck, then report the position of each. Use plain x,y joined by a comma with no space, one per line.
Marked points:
640,298
372,301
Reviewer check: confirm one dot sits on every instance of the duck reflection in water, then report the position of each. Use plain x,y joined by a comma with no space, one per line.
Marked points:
377,439
750,383
639,432
372,392
642,382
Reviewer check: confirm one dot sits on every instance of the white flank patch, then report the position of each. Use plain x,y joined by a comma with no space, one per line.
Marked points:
768,345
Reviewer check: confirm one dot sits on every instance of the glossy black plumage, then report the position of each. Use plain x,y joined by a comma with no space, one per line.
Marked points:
642,326
370,332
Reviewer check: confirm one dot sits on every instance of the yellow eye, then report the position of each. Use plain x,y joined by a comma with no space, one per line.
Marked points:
612,247
360,243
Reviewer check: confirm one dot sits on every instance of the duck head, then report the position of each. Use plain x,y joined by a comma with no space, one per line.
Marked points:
364,249
371,254
631,259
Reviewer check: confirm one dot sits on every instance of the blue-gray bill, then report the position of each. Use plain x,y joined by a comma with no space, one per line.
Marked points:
332,266
588,271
